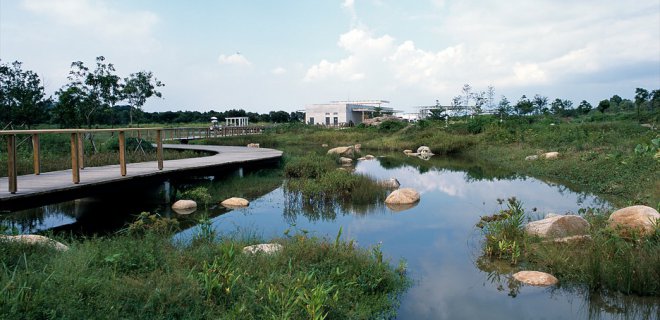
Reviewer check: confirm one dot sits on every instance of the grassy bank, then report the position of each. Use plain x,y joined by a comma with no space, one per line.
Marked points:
610,157
143,275
607,261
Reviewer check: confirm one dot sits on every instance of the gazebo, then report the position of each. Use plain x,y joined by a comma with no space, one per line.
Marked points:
236,121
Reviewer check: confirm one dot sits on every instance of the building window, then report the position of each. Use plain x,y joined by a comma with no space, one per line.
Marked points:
335,113
335,121
327,113
327,121
311,120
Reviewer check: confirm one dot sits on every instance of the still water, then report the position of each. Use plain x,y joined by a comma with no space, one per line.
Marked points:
437,238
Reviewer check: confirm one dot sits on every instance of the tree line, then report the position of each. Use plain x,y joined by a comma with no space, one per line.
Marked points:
98,96
471,102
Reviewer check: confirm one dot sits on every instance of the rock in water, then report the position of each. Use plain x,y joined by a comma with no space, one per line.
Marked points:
424,150
639,219
403,196
558,226
184,206
391,183
235,202
535,278
342,151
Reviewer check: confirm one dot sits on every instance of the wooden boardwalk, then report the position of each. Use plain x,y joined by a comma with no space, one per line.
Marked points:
59,182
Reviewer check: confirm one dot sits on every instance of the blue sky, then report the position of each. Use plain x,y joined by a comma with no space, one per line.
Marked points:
281,55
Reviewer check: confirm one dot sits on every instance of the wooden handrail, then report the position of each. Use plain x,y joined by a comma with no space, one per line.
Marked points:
77,144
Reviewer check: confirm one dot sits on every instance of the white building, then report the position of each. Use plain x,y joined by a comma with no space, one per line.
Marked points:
343,113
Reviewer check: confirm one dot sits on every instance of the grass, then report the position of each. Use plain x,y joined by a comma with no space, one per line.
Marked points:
607,262
598,154
143,275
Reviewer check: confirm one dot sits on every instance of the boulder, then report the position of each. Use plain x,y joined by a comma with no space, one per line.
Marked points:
535,278
531,158
558,226
403,196
33,239
424,150
344,160
253,145
266,248
639,219
325,145
571,239
235,202
184,206
357,146
407,151
400,207
550,155
342,151
391,183
369,157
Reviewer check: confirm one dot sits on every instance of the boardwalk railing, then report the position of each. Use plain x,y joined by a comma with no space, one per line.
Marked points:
77,141
190,133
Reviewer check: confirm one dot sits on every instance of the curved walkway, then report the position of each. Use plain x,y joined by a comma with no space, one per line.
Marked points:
49,183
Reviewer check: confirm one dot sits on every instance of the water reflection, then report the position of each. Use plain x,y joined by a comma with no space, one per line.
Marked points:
437,238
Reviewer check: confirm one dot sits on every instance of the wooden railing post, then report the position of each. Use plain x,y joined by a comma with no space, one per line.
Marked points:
75,170
122,153
35,153
81,150
159,149
12,173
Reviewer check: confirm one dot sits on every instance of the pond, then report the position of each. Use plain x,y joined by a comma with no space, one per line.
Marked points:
437,238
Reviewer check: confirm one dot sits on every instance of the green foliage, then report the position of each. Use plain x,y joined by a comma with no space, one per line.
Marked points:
391,126
147,277
146,222
197,194
132,145
311,166
503,231
22,97
652,149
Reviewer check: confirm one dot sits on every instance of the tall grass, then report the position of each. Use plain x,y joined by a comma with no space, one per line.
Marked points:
146,276
606,262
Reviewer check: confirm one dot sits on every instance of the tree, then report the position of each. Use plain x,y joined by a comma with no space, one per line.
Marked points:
101,88
524,106
279,116
22,97
504,107
655,99
584,107
490,98
479,101
641,95
603,105
137,88
540,104
67,110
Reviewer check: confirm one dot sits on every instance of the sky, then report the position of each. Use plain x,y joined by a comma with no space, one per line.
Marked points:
265,55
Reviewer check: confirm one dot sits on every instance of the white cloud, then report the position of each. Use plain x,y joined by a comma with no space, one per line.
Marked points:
234,59
95,16
278,71
489,43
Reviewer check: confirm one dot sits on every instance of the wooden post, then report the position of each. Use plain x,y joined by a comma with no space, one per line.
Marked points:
11,163
81,150
159,149
75,169
35,153
122,153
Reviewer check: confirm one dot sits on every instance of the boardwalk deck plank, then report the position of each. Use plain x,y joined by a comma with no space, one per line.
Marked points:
59,181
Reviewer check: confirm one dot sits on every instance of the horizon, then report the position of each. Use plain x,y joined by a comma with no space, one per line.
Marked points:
264,56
